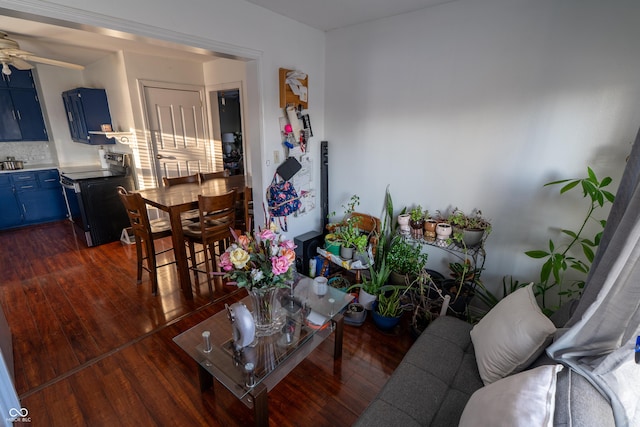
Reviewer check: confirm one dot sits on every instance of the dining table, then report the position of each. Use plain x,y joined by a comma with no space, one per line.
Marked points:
181,198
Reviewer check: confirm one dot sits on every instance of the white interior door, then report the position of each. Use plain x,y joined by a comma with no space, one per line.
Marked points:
176,119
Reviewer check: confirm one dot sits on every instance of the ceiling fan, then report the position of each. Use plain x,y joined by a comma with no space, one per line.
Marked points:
11,54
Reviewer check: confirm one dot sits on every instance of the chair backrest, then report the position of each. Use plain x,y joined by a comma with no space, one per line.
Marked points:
217,216
137,213
189,179
247,203
367,223
371,225
205,176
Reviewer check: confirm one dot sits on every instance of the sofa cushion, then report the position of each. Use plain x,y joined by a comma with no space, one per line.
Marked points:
511,336
524,399
433,382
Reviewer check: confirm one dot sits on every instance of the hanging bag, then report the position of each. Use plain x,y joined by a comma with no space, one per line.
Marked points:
282,198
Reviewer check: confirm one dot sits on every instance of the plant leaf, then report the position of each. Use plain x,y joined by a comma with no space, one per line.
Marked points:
569,186
537,254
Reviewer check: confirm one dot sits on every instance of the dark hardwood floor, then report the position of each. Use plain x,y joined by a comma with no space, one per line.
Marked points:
92,348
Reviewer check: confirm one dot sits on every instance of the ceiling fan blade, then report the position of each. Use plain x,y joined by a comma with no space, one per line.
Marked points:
53,62
20,64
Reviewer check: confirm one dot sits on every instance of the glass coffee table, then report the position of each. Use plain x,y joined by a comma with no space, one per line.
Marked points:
249,373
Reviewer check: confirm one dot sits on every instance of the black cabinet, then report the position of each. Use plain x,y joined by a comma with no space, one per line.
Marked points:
30,198
87,110
20,112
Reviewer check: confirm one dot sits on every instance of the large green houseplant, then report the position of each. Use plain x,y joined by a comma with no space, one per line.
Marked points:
560,257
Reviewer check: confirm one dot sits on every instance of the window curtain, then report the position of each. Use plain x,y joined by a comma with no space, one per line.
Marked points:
600,340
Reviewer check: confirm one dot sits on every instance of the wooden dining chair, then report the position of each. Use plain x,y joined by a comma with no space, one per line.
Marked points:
145,233
244,211
178,180
190,215
216,219
206,176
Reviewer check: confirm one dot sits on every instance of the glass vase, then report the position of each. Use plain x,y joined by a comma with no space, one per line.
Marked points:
266,311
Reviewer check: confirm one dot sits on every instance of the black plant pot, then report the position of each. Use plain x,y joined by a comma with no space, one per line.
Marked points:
459,300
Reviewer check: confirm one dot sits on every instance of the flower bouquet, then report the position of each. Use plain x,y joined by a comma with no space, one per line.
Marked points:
262,263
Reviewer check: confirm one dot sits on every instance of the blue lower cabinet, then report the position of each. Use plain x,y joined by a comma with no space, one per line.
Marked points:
28,198
10,213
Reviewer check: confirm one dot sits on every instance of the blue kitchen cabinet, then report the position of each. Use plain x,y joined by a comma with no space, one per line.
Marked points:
20,112
87,110
29,115
10,213
9,126
31,197
18,79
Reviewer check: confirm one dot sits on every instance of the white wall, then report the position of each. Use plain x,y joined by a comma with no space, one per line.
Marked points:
53,81
477,104
230,26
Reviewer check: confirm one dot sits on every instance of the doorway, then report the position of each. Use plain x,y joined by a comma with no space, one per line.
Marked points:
175,117
227,121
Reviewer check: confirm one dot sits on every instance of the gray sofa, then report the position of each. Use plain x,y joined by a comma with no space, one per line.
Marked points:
438,375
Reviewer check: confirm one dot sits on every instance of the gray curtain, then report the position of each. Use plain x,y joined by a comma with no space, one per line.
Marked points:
600,341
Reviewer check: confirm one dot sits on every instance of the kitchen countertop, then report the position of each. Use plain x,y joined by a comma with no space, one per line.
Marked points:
63,169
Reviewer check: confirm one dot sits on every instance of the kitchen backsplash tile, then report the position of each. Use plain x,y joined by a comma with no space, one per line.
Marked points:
36,152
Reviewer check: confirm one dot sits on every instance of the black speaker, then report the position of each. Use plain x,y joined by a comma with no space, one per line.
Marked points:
324,183
306,245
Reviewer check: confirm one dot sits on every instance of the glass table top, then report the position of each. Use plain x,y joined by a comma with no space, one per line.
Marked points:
306,322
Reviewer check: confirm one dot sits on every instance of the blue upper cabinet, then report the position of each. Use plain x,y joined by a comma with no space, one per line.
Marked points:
20,113
18,78
87,110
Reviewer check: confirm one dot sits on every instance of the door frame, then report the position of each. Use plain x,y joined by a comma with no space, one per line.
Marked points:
214,116
149,148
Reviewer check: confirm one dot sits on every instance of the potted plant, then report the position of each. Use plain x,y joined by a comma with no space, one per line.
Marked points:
388,309
405,260
425,298
361,242
469,230
372,286
347,230
461,287
416,221
355,314
404,220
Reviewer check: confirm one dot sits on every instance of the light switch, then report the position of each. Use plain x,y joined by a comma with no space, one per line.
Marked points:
276,156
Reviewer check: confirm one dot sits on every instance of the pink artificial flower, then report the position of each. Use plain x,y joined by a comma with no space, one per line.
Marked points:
288,244
225,262
279,265
267,234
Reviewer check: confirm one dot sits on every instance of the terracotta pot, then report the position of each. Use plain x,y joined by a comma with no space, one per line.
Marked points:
430,230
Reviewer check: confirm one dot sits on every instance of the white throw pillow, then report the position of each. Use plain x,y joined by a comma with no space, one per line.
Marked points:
522,400
511,336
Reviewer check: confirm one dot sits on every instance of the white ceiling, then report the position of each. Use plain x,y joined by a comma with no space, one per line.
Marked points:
331,14
79,46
